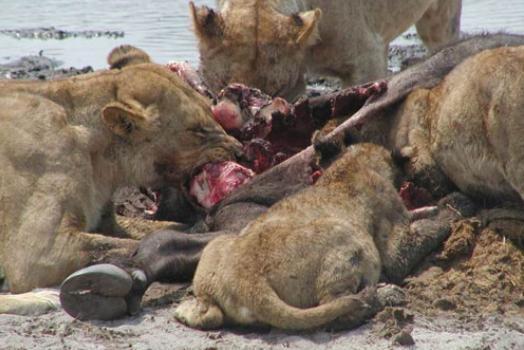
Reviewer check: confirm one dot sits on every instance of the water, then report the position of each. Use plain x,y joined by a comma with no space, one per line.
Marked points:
162,27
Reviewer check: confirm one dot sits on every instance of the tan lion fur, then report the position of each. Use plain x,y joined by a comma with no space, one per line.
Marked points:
467,130
66,145
270,44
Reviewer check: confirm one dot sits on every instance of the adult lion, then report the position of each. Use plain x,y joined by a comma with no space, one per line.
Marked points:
270,44
66,145
466,130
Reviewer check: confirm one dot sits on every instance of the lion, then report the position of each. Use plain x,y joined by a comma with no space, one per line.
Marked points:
272,44
67,145
301,264
465,131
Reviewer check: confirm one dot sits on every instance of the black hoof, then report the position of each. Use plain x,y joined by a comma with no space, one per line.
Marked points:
101,292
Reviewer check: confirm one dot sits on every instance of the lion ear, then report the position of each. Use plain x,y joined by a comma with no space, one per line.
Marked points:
123,120
126,55
308,27
208,24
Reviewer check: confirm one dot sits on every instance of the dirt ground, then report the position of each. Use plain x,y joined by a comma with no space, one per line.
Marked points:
472,300
468,295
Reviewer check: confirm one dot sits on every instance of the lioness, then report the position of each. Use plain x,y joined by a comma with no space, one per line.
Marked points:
298,265
66,145
466,129
270,44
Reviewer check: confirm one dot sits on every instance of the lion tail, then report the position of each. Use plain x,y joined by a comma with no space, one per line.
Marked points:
271,309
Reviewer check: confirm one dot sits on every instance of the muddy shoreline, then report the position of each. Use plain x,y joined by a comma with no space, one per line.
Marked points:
39,68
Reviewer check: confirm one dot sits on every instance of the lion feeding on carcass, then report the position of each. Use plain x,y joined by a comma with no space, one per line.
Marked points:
65,147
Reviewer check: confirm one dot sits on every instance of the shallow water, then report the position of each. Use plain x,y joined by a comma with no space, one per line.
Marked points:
162,27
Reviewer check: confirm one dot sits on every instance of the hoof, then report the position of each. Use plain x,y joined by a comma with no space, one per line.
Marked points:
100,292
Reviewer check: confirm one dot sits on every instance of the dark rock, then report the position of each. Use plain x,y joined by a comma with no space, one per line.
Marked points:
520,302
404,338
445,304
391,295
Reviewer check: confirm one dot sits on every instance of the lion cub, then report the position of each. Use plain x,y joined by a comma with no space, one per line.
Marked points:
299,264
271,44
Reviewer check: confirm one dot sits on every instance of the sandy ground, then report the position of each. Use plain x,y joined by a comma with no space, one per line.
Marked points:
468,295
156,328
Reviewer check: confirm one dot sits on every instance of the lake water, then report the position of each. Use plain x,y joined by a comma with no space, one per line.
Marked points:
162,27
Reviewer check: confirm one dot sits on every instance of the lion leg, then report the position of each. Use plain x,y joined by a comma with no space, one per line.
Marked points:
440,24
199,313
412,144
120,226
29,304
137,228
348,270
48,245
68,252
363,68
52,260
